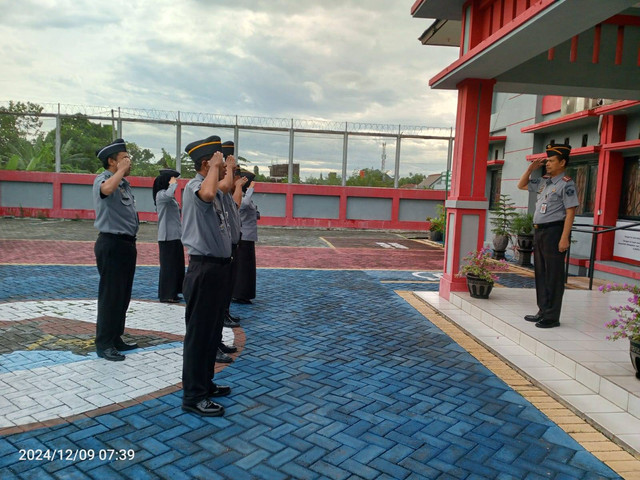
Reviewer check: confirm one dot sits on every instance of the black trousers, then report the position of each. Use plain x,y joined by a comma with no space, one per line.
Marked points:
233,272
204,290
244,285
116,260
171,269
549,271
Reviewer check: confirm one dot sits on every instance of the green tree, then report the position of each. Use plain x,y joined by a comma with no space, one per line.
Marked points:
80,139
369,177
16,125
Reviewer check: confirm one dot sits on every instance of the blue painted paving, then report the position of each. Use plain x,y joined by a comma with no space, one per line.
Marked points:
340,378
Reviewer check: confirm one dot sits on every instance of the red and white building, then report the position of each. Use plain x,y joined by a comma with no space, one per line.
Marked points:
530,72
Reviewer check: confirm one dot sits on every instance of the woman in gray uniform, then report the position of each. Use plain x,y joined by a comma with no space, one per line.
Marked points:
244,288
169,233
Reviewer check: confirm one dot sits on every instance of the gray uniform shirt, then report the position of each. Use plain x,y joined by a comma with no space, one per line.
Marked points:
205,230
233,216
555,195
169,226
249,217
115,213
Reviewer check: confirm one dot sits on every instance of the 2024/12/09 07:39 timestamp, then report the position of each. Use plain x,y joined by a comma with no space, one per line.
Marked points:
69,455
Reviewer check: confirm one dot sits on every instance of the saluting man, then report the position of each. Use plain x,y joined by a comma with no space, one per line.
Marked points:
206,235
115,248
555,211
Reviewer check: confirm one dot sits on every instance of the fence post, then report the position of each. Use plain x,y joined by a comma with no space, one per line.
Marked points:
58,142
290,168
396,174
178,144
345,148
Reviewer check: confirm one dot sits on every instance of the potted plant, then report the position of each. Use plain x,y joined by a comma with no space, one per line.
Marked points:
522,228
480,270
437,224
627,323
501,217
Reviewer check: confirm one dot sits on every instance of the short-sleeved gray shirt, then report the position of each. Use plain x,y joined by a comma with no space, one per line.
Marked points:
249,217
205,230
169,225
233,216
115,213
555,196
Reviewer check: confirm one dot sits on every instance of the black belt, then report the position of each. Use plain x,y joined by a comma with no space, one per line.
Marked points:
540,226
207,259
120,236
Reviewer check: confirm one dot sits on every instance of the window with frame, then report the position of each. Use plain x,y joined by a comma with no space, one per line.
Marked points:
630,195
585,176
494,192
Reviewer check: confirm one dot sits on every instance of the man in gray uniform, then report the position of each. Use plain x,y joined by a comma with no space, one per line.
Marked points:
555,210
115,248
206,235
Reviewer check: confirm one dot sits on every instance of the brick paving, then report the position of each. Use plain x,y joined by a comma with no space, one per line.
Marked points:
339,377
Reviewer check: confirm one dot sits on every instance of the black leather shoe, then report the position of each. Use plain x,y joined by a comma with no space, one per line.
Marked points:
170,300
533,318
124,347
228,348
219,390
111,354
548,323
230,323
223,357
205,408
244,301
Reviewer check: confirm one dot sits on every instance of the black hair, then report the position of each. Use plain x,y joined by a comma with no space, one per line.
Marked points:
160,183
197,163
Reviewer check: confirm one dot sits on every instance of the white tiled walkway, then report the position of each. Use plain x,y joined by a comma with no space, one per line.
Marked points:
574,362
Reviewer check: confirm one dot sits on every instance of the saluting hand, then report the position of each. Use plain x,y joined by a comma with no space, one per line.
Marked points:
216,160
172,180
230,161
241,181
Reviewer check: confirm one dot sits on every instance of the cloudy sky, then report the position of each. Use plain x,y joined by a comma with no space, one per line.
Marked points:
335,60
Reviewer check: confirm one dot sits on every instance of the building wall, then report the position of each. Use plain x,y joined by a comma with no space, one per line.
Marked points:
67,195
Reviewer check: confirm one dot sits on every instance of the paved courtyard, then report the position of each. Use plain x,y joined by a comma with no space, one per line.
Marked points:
337,376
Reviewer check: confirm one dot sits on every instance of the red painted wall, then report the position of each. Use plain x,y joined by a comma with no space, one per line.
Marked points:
57,180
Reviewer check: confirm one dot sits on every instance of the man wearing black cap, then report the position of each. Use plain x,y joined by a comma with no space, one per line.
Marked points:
206,235
555,210
115,248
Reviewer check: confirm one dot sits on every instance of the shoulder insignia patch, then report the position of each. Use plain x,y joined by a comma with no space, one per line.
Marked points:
566,179
570,191
534,181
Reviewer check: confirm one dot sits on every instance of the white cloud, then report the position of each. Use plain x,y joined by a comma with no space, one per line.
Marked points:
338,60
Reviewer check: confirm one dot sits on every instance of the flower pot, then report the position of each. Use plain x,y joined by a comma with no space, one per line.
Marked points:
479,287
436,236
524,249
634,353
500,243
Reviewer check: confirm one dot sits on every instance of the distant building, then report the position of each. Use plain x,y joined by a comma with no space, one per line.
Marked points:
435,181
280,171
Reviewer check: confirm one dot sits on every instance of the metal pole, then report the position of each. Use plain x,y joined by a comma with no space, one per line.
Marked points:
291,139
396,174
114,132
236,138
345,148
592,256
449,159
119,124
58,141
178,144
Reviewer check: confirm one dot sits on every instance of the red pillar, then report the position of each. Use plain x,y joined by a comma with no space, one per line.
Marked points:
467,204
609,185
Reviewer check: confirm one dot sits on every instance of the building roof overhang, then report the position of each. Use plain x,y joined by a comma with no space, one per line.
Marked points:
521,65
